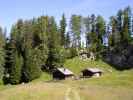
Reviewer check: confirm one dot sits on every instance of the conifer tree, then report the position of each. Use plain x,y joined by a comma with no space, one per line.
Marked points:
54,54
75,25
2,52
16,68
67,40
31,69
100,31
62,30
87,22
13,64
125,36
40,38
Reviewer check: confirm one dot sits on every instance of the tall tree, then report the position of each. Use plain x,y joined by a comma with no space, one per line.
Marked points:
120,20
53,45
67,40
40,38
100,31
126,33
2,52
93,23
13,64
31,67
87,22
63,29
115,36
75,25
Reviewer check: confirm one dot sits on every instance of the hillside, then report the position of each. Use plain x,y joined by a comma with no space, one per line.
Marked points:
76,65
113,85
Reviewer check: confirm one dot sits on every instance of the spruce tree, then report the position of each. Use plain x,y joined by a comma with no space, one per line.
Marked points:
54,54
125,36
115,36
2,52
31,69
13,64
67,40
62,30
75,25
16,68
100,31
40,40
87,23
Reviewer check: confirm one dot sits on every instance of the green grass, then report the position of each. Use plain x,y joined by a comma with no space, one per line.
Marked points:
110,77
112,85
76,65
44,78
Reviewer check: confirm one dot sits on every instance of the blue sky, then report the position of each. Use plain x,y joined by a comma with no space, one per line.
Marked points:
11,10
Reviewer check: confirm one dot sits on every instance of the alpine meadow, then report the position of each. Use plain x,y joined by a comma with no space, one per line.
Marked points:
77,56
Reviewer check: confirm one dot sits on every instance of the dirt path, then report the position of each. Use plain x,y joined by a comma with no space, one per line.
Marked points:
75,94
67,94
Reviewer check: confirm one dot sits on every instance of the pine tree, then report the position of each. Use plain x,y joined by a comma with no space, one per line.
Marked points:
94,42
2,52
62,30
115,37
13,64
54,54
31,69
67,40
93,23
31,53
75,25
100,31
30,49
125,36
91,35
87,22
120,20
40,38
95,30
15,72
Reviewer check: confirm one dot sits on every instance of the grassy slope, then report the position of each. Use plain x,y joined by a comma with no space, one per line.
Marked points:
76,65
113,85
110,77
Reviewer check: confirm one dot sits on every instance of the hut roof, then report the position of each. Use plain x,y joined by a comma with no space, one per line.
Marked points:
65,71
94,70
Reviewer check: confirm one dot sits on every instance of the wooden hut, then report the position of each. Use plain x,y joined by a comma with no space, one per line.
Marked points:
62,73
90,72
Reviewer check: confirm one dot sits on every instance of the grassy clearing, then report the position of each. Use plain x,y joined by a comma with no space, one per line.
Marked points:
76,65
58,91
36,91
110,77
113,85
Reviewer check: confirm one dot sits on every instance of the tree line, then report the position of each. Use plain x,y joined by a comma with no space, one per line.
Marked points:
40,44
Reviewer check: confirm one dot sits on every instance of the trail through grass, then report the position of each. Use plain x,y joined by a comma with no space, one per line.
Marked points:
112,85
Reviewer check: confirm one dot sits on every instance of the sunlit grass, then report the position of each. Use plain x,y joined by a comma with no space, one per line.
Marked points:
112,85
76,65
